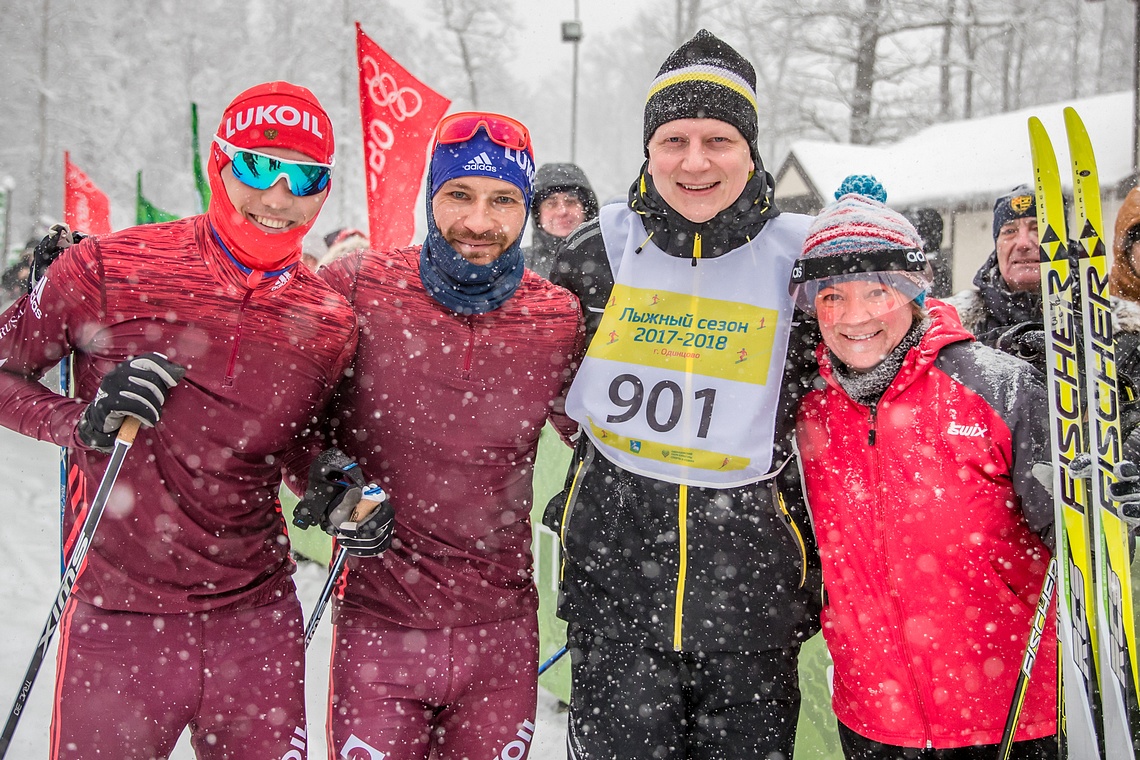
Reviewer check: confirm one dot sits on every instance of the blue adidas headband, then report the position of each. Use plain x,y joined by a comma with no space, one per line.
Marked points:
481,157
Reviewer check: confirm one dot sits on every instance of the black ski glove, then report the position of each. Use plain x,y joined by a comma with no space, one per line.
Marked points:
364,524
331,475
1025,341
134,388
1126,491
58,239
335,489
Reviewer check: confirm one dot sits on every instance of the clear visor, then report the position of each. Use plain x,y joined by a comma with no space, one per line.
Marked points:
852,298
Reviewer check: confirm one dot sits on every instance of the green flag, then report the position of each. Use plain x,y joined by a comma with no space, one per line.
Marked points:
199,178
148,213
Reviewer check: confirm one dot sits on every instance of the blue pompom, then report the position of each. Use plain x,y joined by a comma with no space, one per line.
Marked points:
862,184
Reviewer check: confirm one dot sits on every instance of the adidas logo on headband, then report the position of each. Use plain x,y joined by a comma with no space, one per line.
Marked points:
481,162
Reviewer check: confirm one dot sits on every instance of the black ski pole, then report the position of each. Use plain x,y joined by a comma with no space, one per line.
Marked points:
1035,635
362,510
326,594
123,443
553,659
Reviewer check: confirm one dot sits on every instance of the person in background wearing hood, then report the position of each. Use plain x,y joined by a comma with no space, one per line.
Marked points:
341,243
464,355
690,575
563,200
931,578
210,332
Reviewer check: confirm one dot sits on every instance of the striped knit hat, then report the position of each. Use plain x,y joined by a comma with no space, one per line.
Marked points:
703,79
858,235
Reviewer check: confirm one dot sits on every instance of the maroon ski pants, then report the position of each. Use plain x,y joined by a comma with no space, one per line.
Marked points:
467,692
128,684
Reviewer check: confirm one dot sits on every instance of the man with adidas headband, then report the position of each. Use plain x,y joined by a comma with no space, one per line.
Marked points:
926,460
208,331
690,576
464,354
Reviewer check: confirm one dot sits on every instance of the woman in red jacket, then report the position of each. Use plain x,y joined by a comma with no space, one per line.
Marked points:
924,457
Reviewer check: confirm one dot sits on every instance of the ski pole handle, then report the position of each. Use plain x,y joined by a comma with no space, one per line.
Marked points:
128,430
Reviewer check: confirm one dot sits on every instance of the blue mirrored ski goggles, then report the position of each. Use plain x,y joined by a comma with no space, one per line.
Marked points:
261,170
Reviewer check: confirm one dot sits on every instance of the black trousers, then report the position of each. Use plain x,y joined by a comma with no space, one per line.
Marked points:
629,701
856,747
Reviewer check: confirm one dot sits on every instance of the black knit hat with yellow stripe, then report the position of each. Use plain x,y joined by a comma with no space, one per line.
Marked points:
703,79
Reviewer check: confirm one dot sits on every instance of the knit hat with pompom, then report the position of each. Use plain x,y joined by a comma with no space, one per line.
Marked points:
857,235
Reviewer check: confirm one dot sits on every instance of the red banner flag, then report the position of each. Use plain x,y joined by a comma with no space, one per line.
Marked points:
85,207
399,114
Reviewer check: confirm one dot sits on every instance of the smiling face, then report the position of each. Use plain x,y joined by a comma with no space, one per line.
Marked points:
560,213
1019,259
862,321
480,217
275,210
699,166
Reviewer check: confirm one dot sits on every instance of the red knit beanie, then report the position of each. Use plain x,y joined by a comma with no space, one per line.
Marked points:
279,115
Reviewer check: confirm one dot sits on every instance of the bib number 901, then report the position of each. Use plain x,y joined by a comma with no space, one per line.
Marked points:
664,405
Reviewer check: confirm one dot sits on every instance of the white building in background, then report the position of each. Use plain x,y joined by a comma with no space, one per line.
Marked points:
958,168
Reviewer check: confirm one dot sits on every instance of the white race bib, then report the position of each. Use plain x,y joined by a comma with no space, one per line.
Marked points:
681,382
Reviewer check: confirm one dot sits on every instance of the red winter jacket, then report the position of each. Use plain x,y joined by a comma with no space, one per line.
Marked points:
444,411
931,563
193,523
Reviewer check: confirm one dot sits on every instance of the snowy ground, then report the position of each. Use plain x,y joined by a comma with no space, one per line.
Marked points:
29,578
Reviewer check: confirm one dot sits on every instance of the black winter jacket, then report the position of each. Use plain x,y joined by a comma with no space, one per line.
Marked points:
741,573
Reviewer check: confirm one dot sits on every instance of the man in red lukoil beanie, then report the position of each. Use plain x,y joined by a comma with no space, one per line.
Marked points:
260,218
208,331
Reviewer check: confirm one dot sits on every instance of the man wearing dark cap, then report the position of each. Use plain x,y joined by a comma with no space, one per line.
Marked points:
1005,309
563,200
464,355
208,331
690,573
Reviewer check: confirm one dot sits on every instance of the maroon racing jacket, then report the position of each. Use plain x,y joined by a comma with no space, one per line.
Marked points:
194,523
444,411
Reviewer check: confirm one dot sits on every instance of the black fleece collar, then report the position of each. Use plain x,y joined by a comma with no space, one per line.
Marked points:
727,231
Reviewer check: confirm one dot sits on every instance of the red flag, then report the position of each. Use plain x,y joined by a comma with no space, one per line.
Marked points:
399,114
85,207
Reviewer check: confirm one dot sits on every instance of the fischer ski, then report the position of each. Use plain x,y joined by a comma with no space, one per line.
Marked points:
1115,646
1078,702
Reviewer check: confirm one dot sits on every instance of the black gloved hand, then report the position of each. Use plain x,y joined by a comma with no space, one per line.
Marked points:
58,239
331,476
364,521
1025,341
1126,490
134,388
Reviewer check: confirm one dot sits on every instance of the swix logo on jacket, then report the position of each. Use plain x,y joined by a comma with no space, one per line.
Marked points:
968,431
282,115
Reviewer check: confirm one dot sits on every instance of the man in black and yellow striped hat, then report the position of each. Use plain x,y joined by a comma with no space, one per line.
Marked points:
690,572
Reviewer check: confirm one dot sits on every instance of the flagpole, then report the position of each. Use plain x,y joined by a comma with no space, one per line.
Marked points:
37,204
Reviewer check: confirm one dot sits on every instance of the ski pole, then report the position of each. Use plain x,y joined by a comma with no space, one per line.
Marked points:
553,659
123,442
362,510
326,593
1031,647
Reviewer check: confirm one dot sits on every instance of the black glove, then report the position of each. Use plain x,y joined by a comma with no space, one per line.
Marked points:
331,476
134,388
1025,341
1126,490
367,535
58,239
